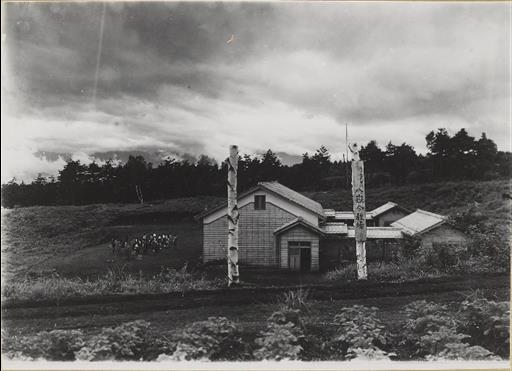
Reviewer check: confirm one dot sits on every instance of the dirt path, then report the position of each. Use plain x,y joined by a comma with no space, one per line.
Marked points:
130,304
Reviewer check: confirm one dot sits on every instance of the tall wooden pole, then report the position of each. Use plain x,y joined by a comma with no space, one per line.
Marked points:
233,216
346,149
358,197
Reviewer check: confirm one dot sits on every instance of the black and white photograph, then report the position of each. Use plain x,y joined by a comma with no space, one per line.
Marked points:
265,185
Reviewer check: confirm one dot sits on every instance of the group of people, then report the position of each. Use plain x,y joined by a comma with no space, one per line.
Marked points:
147,244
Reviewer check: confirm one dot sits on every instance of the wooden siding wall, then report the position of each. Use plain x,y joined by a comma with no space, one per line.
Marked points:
299,233
256,235
390,217
443,234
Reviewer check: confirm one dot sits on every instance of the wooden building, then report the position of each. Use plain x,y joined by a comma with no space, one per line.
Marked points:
279,227
264,210
430,229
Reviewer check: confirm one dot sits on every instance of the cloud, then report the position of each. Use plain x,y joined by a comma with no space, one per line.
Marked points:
294,75
22,165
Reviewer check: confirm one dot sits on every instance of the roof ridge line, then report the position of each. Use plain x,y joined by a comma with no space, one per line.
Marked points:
431,214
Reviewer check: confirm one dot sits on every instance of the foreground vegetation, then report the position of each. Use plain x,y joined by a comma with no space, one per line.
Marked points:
115,281
475,328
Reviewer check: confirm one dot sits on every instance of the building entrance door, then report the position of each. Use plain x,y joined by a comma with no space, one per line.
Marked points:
294,257
299,256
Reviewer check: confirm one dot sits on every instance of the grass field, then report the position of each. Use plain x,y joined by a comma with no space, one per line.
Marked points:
74,240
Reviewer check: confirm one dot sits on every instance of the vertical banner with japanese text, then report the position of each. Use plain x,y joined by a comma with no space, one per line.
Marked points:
358,196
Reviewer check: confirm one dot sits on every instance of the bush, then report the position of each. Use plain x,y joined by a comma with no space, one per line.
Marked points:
317,340
296,299
488,241
281,340
410,246
435,341
360,333
462,352
487,322
345,273
426,321
393,271
129,341
475,264
369,354
55,345
468,218
430,331
486,238
404,269
214,339
442,256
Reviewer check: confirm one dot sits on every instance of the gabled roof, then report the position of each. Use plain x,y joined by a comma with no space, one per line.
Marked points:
378,232
349,215
334,228
298,221
293,196
418,222
280,190
385,208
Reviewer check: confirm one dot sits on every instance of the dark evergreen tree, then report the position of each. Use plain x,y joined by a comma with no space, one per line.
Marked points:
448,158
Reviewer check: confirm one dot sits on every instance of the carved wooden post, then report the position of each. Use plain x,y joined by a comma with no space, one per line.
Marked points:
233,216
358,197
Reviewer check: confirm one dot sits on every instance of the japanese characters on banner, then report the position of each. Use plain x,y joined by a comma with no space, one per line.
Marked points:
358,195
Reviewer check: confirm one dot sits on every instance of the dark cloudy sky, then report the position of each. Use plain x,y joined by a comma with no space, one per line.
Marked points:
166,79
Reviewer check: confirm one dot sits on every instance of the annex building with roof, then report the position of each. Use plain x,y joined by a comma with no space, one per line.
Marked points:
281,228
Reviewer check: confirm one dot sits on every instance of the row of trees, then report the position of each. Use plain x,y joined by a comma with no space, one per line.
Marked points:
456,157
448,157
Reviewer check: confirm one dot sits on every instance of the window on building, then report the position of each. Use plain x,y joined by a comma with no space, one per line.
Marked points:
299,243
259,202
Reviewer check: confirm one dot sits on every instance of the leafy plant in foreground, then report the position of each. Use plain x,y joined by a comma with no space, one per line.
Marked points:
129,341
214,339
55,345
427,328
430,331
487,322
360,333
281,339
462,351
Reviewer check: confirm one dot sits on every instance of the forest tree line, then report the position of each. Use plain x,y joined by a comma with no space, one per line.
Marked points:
457,157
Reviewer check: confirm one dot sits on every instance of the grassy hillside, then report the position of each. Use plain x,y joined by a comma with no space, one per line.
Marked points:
74,239
448,198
